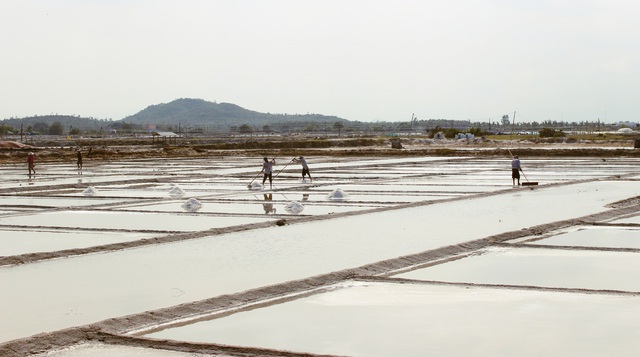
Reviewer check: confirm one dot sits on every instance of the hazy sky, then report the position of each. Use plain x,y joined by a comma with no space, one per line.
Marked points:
365,60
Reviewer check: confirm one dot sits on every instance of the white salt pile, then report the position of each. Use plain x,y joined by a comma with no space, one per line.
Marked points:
338,195
294,207
176,192
255,186
90,191
192,205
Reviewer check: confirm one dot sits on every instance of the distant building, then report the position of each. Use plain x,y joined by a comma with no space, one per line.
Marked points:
164,137
464,136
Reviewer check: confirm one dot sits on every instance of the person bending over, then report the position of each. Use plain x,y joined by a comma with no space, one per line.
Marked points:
305,168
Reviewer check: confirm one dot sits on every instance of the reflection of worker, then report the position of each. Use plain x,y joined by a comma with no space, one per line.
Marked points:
31,163
515,170
79,159
268,204
267,168
305,167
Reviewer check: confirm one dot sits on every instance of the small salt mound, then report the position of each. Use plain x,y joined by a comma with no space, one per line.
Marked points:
338,195
294,207
90,191
176,192
255,186
192,205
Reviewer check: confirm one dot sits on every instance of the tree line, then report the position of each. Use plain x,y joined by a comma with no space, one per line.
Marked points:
69,125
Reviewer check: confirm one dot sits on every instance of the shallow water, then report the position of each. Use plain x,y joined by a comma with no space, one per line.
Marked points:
51,295
85,289
414,320
607,237
597,270
14,242
53,201
257,207
137,221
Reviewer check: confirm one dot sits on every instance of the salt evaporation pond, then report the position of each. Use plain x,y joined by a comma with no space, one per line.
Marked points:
247,208
86,289
423,320
53,201
138,193
127,220
354,198
597,270
414,188
14,242
607,237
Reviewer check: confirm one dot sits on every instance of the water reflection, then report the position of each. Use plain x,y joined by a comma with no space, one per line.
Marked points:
268,204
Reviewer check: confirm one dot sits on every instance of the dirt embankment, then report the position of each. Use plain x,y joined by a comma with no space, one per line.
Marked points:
129,149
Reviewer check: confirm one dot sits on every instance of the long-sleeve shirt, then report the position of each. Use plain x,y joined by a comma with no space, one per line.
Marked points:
267,167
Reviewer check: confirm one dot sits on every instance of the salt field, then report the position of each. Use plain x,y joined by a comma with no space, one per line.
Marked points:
388,319
374,257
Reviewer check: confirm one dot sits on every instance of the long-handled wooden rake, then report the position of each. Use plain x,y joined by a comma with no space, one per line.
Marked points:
528,183
285,166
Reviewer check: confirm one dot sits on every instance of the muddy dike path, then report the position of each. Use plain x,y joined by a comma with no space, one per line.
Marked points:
129,330
128,149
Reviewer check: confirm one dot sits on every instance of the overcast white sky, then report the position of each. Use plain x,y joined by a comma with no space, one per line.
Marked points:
365,60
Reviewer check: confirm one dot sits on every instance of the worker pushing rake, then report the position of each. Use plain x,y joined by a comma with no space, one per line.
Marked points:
516,169
267,172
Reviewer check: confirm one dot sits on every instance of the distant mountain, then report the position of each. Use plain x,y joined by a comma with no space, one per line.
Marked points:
41,123
185,112
198,112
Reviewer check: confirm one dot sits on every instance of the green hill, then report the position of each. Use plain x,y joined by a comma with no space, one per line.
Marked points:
198,112
42,123
180,114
